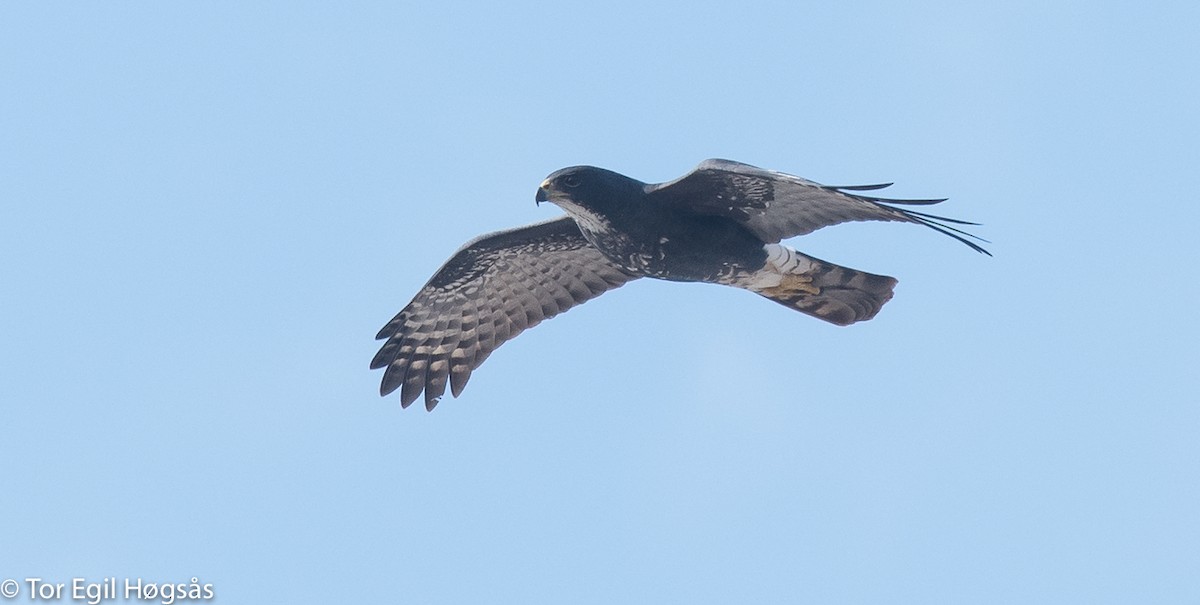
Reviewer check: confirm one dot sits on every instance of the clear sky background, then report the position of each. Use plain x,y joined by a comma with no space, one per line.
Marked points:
207,210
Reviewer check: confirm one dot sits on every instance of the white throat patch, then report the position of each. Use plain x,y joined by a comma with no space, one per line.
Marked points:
586,219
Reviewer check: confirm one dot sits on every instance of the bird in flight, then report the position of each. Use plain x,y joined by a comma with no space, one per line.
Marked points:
722,223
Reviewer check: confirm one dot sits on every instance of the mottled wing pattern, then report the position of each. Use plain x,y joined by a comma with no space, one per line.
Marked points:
492,289
776,206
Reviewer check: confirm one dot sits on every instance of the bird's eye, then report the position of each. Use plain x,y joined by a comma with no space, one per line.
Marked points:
571,180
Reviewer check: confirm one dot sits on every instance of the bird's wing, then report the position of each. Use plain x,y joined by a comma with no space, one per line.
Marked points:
493,288
777,206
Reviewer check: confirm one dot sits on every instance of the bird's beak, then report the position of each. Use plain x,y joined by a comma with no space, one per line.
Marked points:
541,193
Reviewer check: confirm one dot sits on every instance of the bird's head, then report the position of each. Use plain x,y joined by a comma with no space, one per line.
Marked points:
588,187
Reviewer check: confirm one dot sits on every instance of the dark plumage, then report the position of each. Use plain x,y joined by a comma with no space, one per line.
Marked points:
721,223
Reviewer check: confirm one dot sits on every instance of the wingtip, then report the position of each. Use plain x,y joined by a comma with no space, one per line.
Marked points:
905,202
874,187
391,381
938,223
380,360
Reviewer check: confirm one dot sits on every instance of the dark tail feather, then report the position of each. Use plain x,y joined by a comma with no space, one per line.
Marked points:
838,295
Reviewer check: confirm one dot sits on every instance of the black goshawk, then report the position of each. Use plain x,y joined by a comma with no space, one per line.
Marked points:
721,223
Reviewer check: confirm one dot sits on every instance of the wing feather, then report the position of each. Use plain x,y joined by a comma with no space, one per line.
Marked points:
776,206
492,289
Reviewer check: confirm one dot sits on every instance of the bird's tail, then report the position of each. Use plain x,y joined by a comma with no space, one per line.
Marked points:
836,294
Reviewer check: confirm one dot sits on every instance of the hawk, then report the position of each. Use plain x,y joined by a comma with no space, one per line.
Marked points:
722,223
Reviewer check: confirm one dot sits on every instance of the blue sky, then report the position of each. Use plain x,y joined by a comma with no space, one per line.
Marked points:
208,209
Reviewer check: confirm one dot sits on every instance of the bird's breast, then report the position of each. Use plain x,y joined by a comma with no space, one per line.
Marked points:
671,246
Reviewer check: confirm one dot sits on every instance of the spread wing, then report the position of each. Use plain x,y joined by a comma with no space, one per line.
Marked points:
492,289
776,206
